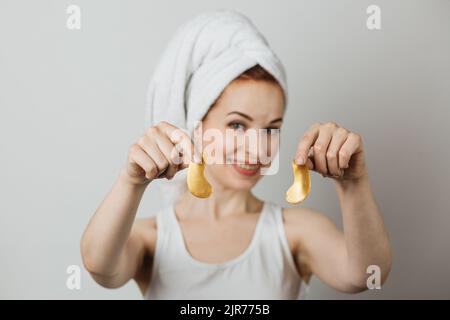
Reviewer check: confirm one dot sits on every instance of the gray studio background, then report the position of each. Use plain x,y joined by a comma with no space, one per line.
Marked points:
72,102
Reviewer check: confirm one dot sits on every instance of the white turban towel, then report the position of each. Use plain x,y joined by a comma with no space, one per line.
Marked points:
203,57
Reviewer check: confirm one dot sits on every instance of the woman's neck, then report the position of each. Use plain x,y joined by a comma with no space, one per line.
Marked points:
220,204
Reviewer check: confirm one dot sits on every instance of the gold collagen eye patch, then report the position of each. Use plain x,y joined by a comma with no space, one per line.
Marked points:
301,185
297,192
196,180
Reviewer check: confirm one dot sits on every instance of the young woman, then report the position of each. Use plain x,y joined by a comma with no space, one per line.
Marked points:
233,245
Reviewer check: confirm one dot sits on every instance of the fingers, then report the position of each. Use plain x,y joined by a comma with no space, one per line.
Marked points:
152,150
306,142
156,150
182,142
310,162
327,148
172,155
169,147
320,150
352,145
338,139
137,156
155,155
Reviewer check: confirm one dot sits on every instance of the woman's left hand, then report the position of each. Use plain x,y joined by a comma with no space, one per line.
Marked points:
332,151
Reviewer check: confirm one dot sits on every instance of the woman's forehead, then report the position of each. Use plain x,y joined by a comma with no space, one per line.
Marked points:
257,98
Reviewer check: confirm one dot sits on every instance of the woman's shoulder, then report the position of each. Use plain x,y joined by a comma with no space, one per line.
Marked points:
147,228
300,212
150,224
304,218
146,224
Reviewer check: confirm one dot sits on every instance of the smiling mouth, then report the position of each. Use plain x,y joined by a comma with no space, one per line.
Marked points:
247,169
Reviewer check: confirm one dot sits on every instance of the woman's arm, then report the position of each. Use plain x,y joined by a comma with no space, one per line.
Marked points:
113,247
341,258
110,251
366,239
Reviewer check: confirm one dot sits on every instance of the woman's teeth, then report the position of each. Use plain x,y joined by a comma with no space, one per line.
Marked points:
248,166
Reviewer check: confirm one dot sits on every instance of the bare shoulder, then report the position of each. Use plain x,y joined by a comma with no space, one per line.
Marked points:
304,226
305,219
146,229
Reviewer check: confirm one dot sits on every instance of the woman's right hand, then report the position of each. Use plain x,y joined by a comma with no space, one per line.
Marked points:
155,154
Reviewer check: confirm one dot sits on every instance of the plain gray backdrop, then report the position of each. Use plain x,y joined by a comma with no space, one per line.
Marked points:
72,102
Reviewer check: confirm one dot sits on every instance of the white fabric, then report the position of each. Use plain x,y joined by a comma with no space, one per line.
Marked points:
203,57
265,270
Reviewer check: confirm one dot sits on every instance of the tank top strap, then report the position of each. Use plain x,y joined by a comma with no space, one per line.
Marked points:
276,219
163,222
169,245
161,236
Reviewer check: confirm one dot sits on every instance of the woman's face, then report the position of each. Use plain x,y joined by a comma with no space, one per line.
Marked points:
246,108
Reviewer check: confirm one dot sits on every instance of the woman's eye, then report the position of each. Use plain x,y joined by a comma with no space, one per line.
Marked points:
237,126
270,131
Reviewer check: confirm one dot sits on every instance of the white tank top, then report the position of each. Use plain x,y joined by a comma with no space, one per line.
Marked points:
265,270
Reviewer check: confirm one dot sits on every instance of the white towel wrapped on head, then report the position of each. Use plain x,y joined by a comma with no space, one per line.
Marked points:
203,57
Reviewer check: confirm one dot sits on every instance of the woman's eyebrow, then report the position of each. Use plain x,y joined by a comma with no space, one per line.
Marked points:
241,114
276,120
250,118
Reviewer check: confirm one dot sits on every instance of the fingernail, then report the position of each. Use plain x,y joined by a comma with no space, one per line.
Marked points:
300,160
